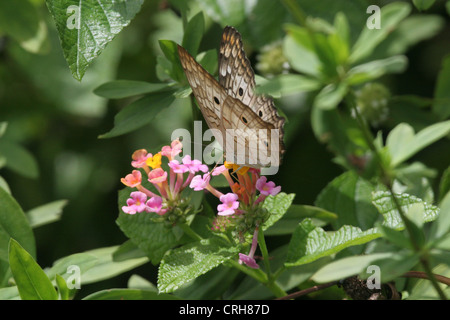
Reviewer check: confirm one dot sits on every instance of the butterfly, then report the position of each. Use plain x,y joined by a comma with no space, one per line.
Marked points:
247,126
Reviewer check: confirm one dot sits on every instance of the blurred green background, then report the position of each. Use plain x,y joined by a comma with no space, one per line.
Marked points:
58,119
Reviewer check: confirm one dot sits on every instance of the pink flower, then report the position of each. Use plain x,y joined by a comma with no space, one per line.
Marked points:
267,188
136,203
177,167
194,165
173,150
154,204
229,204
157,175
139,158
133,179
248,261
200,183
219,170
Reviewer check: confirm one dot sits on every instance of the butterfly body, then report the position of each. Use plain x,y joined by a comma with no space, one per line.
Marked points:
243,122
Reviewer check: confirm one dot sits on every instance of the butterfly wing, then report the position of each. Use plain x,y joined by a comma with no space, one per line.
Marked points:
238,78
235,121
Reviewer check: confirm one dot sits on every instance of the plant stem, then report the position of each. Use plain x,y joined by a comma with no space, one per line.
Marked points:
296,11
265,253
191,233
388,182
308,291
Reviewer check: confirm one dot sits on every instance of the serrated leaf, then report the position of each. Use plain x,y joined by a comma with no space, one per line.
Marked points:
85,27
277,206
14,224
186,263
140,113
31,280
309,242
153,238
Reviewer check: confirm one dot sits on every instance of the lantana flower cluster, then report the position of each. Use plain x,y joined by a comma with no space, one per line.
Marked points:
166,199
241,210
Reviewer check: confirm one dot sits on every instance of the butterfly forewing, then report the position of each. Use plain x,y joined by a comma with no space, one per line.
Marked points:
230,106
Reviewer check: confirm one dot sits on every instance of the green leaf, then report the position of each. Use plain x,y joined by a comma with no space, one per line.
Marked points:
424,289
394,236
19,159
127,88
95,265
170,50
128,250
129,294
441,227
193,33
208,60
85,27
402,143
309,242
211,285
347,267
192,260
153,238
422,5
299,51
396,265
391,15
31,280
277,206
46,213
441,105
288,83
139,113
350,197
62,288
374,69
296,213
9,293
14,224
330,96
224,12
444,185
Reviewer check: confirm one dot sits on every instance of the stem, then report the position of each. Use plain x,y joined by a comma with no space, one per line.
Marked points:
256,274
388,182
265,254
188,230
423,275
296,11
308,291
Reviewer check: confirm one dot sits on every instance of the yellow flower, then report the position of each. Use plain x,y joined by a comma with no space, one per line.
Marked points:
155,161
241,169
